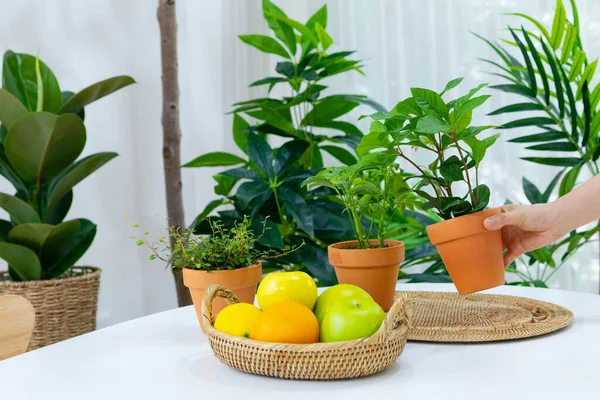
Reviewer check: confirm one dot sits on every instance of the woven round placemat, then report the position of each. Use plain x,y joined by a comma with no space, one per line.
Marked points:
64,307
450,317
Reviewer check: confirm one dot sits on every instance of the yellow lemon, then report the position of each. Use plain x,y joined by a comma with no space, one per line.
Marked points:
237,319
287,286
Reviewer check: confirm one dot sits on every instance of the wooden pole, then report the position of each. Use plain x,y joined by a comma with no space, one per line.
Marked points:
167,21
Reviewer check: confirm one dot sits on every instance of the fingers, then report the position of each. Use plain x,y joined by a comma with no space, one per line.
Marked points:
508,216
510,257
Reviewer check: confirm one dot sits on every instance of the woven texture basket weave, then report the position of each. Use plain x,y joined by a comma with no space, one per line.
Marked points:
318,361
64,308
450,317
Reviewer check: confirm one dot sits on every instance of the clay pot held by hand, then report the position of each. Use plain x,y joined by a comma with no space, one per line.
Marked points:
241,281
472,254
374,270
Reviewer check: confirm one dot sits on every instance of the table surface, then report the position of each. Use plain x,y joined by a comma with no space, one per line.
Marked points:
166,355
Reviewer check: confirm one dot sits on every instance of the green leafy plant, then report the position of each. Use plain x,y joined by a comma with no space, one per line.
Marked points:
223,249
265,181
41,137
372,191
443,129
550,71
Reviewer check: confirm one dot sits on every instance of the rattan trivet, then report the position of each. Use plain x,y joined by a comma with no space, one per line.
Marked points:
450,317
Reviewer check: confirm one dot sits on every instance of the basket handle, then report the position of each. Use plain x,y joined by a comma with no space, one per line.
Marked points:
210,295
398,319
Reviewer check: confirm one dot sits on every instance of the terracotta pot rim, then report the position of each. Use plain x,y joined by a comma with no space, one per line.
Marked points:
222,271
341,246
460,227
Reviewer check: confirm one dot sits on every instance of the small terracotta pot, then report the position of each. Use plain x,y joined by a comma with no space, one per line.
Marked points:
241,281
472,254
374,270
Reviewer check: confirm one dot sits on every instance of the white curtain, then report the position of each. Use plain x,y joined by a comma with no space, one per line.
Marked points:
403,43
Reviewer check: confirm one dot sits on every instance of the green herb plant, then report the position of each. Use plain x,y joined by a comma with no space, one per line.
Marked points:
41,138
223,249
548,68
443,129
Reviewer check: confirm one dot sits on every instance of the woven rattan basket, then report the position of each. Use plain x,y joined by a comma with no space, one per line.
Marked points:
318,361
64,308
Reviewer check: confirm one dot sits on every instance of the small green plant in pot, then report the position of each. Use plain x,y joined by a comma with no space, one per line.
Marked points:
41,138
228,256
450,182
371,191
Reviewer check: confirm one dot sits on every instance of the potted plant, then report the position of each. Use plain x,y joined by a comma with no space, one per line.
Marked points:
450,182
228,256
41,138
371,191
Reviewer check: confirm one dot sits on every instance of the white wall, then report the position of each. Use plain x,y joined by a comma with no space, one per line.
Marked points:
404,43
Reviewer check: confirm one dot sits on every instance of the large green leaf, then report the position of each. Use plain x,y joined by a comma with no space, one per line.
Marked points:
518,107
40,145
513,88
249,191
19,210
288,154
451,85
57,213
19,77
540,66
558,25
215,159
557,162
429,100
532,193
530,70
540,137
95,92
76,172
328,109
346,127
341,154
210,207
452,169
11,109
261,154
554,146
303,29
295,205
30,235
282,31
568,182
265,44
431,124
240,133
22,260
65,245
533,121
5,227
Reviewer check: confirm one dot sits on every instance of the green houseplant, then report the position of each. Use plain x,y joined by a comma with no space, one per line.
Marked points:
450,182
550,72
228,256
41,138
372,192
265,181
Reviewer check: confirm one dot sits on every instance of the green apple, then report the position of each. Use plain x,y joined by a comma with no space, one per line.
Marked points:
336,293
350,319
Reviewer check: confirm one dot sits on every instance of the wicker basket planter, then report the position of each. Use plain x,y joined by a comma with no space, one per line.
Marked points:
64,308
318,361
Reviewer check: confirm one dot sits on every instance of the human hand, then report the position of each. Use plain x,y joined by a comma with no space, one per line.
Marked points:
526,228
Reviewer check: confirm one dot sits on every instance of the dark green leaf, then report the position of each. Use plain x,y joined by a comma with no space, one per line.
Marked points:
242,173
346,127
286,68
40,145
481,194
362,100
261,154
451,85
316,262
271,81
513,88
240,135
341,154
533,121
23,261
288,154
19,210
517,108
532,192
249,191
272,236
210,207
469,105
587,115
215,159
557,79
30,235
266,44
452,169
5,228
225,183
95,92
557,162
429,100
11,109
75,173
296,206
554,146
540,137
407,107
65,245
57,213
530,70
539,65
328,109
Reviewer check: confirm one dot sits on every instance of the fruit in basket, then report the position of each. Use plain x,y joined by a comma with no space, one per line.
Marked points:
286,322
287,286
350,319
237,319
336,293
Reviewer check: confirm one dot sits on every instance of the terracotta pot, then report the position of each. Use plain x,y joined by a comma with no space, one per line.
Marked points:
241,281
374,270
472,254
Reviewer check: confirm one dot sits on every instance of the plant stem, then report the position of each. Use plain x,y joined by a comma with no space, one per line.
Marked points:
280,211
433,183
466,169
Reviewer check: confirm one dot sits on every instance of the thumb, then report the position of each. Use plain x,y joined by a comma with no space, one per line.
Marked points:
506,217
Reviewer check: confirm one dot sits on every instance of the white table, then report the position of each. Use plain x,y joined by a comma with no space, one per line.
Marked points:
164,356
